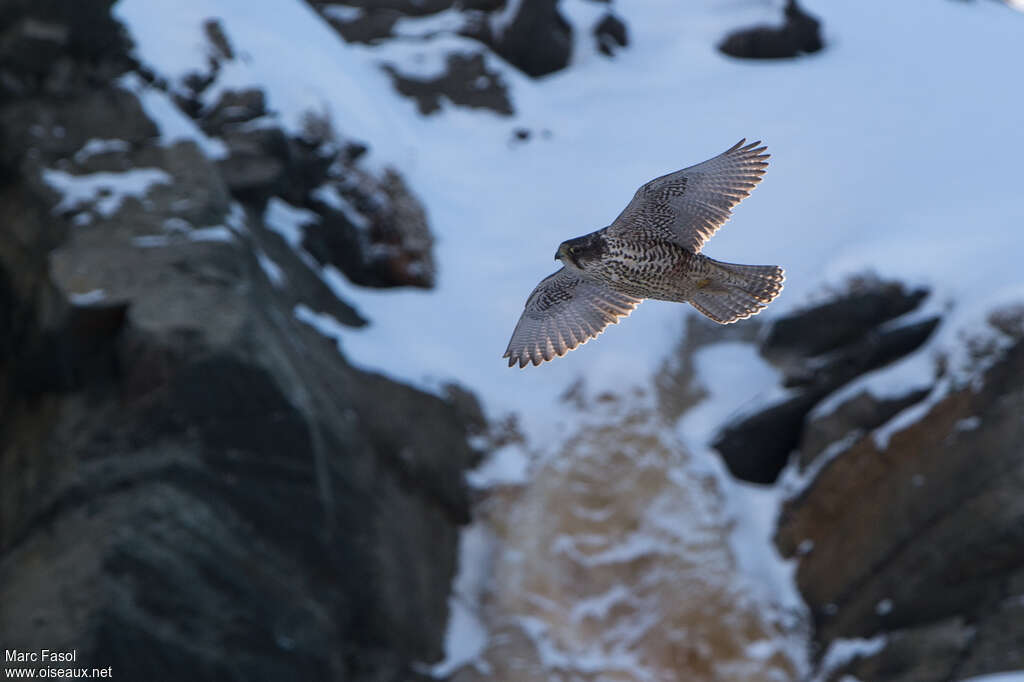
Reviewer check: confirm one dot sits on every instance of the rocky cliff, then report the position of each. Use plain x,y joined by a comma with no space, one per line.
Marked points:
195,484
902,487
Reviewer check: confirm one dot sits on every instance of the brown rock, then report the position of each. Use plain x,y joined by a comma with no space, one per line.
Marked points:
931,526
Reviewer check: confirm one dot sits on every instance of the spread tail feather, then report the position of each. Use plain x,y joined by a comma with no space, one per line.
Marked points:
736,292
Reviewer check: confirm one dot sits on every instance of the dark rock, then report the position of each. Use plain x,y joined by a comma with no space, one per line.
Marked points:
610,34
799,34
393,247
60,128
538,39
354,151
80,353
466,82
757,448
840,321
873,350
998,638
254,177
58,47
218,39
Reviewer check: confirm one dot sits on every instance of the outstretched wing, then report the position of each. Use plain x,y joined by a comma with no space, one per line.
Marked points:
563,312
689,206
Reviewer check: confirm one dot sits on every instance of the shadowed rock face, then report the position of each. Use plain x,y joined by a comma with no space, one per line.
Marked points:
194,484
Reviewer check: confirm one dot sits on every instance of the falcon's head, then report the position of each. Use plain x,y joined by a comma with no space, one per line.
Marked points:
580,252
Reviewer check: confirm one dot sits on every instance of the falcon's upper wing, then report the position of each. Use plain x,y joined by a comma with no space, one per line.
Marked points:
563,312
688,206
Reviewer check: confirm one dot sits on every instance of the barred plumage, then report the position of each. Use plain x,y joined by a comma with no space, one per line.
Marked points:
652,250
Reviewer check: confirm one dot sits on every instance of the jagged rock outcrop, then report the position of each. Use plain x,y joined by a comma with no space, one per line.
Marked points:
902,492
919,536
532,35
193,482
820,349
465,82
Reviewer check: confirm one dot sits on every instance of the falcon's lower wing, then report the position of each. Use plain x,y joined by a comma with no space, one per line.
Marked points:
563,312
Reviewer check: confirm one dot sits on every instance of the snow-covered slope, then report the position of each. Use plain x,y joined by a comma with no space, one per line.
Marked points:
886,155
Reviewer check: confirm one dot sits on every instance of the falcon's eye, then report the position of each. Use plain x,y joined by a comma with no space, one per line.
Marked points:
572,250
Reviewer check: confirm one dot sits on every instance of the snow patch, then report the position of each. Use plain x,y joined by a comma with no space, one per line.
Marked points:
343,13
217,233
793,482
104,191
843,651
97,146
271,269
324,323
288,221
87,297
466,635
509,465
173,124
330,195
739,382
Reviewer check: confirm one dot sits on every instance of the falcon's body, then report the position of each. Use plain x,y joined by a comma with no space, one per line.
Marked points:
642,267
652,250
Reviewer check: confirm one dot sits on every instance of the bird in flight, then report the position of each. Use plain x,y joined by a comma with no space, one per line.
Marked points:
652,250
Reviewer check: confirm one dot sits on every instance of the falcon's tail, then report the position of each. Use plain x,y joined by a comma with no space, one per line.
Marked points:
734,292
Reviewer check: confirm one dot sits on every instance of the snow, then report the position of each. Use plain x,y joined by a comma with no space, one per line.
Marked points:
891,153
271,269
450,21
105,191
96,146
329,195
86,298
288,221
322,322
217,233
1017,676
508,465
793,482
967,424
343,12
174,125
843,651
466,636
740,382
